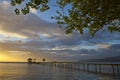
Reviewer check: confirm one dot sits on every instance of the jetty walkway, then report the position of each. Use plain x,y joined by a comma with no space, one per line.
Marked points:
114,69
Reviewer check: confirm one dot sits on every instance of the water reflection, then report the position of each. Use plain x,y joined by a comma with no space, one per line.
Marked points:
23,71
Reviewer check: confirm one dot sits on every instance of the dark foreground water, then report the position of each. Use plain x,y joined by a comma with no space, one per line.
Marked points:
24,71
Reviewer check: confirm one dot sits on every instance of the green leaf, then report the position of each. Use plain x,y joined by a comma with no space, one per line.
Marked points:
17,11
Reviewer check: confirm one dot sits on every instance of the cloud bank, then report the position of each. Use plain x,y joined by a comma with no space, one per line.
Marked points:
33,37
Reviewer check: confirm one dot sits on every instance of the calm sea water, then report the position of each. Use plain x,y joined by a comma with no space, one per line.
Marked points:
24,71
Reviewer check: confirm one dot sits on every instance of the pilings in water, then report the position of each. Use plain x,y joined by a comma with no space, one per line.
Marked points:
89,67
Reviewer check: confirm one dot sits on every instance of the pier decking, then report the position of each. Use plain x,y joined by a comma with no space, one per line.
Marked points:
114,69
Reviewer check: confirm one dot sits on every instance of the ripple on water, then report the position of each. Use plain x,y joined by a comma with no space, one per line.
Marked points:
38,72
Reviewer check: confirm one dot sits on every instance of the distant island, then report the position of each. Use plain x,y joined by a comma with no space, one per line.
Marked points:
109,59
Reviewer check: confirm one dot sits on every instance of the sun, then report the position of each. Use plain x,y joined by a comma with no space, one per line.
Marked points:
3,58
6,58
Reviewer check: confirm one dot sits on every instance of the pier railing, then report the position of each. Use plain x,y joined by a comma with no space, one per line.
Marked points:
113,69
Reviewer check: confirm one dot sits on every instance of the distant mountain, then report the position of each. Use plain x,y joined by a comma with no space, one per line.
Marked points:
110,59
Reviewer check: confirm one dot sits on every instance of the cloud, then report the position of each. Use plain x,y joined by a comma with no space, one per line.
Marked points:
30,34
5,4
103,45
30,26
33,11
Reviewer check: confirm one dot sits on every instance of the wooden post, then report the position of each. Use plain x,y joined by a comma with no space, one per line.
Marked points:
113,73
99,68
59,65
87,67
68,66
71,66
62,65
55,64
75,66
52,64
118,70
84,67
96,68
78,67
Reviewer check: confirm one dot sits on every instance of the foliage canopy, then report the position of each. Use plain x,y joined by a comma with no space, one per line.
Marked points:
93,15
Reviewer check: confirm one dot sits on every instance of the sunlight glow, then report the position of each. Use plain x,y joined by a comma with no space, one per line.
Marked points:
4,58
8,34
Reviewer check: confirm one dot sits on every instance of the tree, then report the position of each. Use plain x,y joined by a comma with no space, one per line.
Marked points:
93,15
29,60
43,59
34,60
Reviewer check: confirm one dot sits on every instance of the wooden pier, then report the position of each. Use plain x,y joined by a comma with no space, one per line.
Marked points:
114,69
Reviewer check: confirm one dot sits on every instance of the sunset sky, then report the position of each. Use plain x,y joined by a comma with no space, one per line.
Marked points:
37,36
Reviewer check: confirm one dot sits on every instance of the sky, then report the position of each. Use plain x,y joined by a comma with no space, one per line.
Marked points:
37,36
